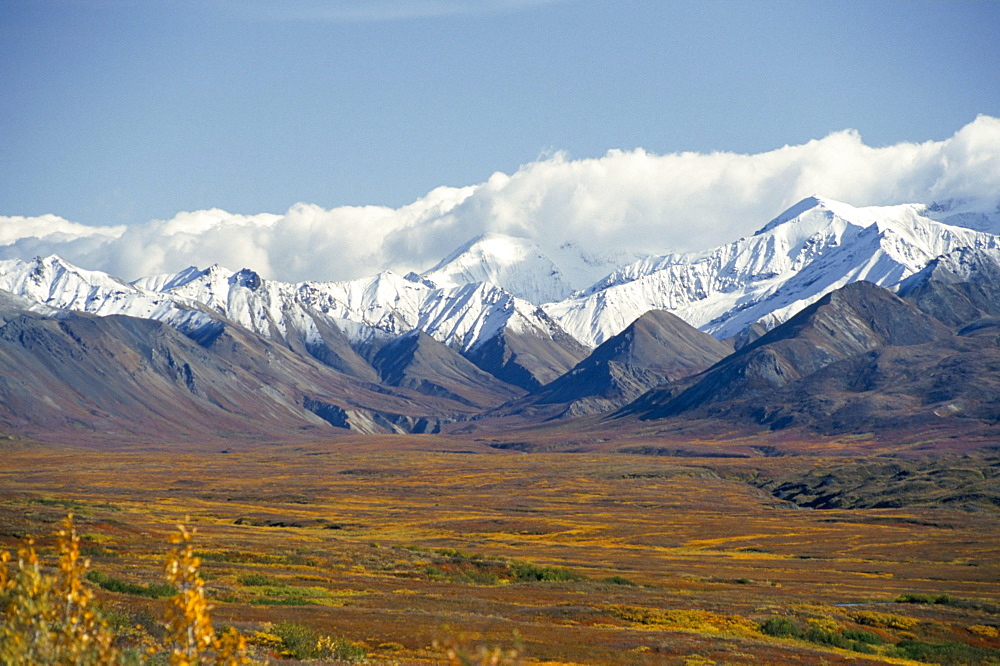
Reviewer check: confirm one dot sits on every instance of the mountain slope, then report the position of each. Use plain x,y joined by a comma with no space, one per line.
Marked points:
855,319
811,249
516,265
528,358
657,347
958,288
128,375
74,375
331,321
419,362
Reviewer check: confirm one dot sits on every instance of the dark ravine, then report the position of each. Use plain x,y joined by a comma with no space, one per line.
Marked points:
971,483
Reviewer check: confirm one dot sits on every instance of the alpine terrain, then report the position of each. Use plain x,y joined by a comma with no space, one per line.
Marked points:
830,317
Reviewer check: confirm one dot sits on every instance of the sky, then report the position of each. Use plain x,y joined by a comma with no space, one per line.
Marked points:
327,139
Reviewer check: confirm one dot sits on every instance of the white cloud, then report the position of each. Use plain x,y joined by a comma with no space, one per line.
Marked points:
50,227
630,201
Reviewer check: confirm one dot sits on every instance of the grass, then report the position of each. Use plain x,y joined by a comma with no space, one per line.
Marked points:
598,558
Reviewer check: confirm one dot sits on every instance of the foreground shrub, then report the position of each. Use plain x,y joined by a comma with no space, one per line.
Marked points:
52,619
189,627
482,655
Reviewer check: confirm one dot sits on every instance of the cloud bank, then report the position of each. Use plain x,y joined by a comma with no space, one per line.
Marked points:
629,202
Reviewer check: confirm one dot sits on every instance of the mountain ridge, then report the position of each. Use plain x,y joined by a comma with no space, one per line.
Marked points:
412,355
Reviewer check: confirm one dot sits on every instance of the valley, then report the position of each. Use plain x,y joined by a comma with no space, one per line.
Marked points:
411,544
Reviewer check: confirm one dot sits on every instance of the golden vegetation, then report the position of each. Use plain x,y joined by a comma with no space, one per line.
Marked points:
429,550
189,627
52,619
883,620
699,621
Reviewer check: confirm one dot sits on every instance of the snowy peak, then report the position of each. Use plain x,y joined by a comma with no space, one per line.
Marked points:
814,247
516,265
507,289
168,281
813,204
55,282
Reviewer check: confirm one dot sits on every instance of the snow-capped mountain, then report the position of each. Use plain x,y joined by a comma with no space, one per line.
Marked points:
385,305
976,215
312,316
524,268
516,265
490,288
55,283
811,249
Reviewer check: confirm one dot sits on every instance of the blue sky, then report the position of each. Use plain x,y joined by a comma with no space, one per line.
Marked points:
122,111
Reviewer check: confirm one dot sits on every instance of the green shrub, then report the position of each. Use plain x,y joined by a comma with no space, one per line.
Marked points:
863,636
619,580
459,554
112,584
255,579
121,620
525,571
302,642
924,599
947,653
298,640
858,641
780,626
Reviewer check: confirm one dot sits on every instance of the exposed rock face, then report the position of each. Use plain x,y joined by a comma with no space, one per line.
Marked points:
526,359
419,362
656,348
957,288
129,377
788,375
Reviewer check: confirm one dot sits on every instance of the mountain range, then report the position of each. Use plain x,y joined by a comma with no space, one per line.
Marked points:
830,318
